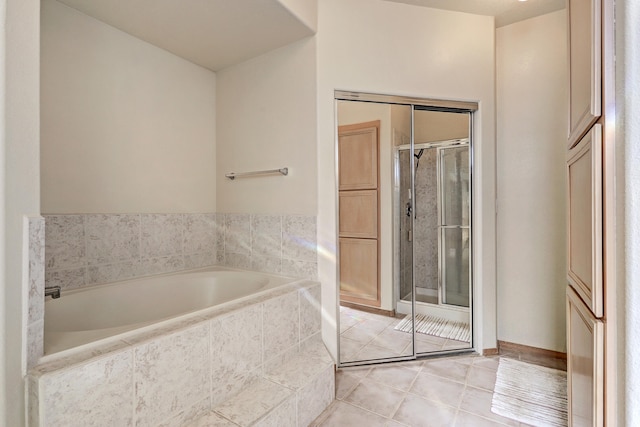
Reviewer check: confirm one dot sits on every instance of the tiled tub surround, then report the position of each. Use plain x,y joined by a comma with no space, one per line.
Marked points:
280,244
256,362
34,230
91,249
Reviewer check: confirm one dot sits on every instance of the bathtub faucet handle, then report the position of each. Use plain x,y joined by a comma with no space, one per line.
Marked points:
53,291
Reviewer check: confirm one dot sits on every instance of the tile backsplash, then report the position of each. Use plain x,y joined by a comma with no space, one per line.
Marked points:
92,249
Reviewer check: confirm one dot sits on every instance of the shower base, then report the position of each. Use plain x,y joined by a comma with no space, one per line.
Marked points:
453,313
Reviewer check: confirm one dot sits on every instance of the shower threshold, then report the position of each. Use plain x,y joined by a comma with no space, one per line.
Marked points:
444,311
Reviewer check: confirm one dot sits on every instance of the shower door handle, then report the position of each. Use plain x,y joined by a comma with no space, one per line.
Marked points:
410,235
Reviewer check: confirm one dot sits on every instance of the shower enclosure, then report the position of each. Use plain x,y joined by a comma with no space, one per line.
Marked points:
433,223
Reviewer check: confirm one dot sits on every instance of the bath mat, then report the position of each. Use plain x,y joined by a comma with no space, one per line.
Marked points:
530,394
436,326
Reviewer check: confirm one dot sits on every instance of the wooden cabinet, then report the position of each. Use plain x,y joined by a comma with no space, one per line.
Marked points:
591,215
585,66
584,219
585,364
359,210
358,156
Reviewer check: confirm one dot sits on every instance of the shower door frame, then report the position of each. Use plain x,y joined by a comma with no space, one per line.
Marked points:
439,146
442,227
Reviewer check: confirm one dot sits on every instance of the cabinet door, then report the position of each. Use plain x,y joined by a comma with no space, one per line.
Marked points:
359,214
359,271
584,223
358,156
585,364
585,63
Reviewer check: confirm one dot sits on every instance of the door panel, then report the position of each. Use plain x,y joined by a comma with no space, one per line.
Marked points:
585,63
584,242
359,271
585,364
358,214
358,156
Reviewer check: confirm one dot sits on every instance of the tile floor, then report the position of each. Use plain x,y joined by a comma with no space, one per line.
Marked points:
453,391
366,336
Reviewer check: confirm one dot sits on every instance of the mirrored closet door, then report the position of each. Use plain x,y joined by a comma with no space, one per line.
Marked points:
404,227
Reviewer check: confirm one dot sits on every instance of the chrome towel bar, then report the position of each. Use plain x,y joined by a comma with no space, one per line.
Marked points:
233,175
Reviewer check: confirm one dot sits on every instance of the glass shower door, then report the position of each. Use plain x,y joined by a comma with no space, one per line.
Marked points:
454,225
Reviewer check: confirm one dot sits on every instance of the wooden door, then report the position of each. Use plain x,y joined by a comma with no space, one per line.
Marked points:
359,210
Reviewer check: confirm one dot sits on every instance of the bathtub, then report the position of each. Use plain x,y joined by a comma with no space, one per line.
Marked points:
118,310
167,350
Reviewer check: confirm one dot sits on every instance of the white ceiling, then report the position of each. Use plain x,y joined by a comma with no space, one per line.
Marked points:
212,33
219,33
505,11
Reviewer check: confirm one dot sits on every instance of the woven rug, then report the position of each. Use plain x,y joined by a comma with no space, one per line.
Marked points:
530,394
436,326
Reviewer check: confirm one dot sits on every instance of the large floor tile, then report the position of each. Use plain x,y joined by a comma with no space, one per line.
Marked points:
342,414
418,412
447,368
478,401
481,377
345,383
438,389
394,376
375,397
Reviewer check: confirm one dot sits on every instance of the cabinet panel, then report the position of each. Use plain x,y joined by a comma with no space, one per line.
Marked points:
359,214
359,271
585,63
358,156
584,223
585,364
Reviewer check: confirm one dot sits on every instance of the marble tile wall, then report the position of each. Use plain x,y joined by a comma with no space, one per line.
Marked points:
34,240
279,244
180,376
91,249
425,242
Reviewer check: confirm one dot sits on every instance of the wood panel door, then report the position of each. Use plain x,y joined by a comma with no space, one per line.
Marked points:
585,364
359,210
584,220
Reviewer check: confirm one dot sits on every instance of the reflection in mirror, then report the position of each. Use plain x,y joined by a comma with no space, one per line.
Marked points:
440,235
404,182
367,135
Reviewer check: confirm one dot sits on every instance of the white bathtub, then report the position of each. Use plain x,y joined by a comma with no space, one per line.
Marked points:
95,313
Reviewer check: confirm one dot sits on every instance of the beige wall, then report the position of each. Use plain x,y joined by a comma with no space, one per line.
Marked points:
532,117
406,50
126,126
440,126
267,120
19,187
